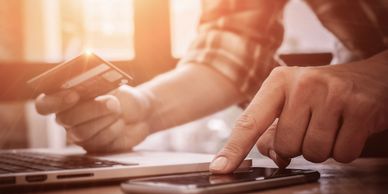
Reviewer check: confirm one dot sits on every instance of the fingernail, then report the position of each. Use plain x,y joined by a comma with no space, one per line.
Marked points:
113,105
71,97
219,164
273,155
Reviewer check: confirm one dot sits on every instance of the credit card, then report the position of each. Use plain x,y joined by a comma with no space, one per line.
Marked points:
88,75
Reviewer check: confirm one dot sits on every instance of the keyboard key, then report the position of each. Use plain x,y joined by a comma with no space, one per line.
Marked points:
30,162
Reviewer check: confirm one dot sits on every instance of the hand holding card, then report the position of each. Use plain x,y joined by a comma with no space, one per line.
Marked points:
75,92
87,74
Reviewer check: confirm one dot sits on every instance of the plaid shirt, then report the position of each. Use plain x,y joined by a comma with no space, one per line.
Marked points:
239,38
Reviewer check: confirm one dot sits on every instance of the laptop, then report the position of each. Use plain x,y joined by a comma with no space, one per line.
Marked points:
35,167
90,76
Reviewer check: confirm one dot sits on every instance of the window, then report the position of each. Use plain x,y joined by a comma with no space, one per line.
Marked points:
184,18
67,27
56,30
104,26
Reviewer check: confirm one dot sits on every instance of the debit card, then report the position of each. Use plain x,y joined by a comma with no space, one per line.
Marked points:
87,74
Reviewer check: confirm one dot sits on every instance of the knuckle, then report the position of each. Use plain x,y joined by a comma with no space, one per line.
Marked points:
339,92
278,75
343,158
314,157
246,122
280,71
125,94
78,133
135,104
316,146
127,142
112,130
306,78
286,149
262,146
40,105
92,147
363,108
344,155
126,91
122,144
102,104
232,149
304,84
315,154
98,143
365,103
335,104
340,85
40,109
115,129
277,78
63,120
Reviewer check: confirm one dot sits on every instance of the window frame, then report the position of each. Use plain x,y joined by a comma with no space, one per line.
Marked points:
153,53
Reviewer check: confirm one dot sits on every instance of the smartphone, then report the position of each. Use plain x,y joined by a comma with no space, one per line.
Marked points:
244,180
88,74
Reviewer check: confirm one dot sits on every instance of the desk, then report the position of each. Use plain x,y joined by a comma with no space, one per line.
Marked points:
361,176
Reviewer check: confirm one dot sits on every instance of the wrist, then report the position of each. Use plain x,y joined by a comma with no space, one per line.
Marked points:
380,59
149,103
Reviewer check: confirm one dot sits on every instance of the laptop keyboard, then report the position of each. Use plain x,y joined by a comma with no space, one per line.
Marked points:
22,162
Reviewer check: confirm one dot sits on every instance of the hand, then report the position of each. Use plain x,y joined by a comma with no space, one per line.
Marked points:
323,112
109,123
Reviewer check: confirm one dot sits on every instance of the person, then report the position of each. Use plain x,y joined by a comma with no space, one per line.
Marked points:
316,112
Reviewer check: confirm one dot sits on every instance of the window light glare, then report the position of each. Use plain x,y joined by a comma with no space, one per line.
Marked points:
88,51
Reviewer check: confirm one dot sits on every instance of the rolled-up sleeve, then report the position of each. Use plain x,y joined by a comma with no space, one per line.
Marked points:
238,38
356,24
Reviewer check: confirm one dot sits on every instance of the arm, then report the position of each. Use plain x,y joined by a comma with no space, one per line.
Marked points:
186,94
226,64
323,112
358,28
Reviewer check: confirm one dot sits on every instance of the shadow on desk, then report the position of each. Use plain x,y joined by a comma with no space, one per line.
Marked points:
365,175
66,188
368,175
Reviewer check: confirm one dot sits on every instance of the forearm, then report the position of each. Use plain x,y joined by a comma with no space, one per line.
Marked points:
186,94
236,56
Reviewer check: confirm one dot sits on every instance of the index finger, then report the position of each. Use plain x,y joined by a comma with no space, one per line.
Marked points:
258,116
53,103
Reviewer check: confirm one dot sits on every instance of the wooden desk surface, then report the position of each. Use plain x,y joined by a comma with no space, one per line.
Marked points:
360,176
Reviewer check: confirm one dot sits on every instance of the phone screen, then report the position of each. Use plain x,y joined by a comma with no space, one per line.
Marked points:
206,179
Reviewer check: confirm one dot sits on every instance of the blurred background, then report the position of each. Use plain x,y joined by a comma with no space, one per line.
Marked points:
142,37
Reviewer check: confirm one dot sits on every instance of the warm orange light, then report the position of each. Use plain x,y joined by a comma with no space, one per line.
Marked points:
88,51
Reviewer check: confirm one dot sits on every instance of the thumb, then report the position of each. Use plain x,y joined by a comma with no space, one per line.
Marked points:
253,122
136,104
53,103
